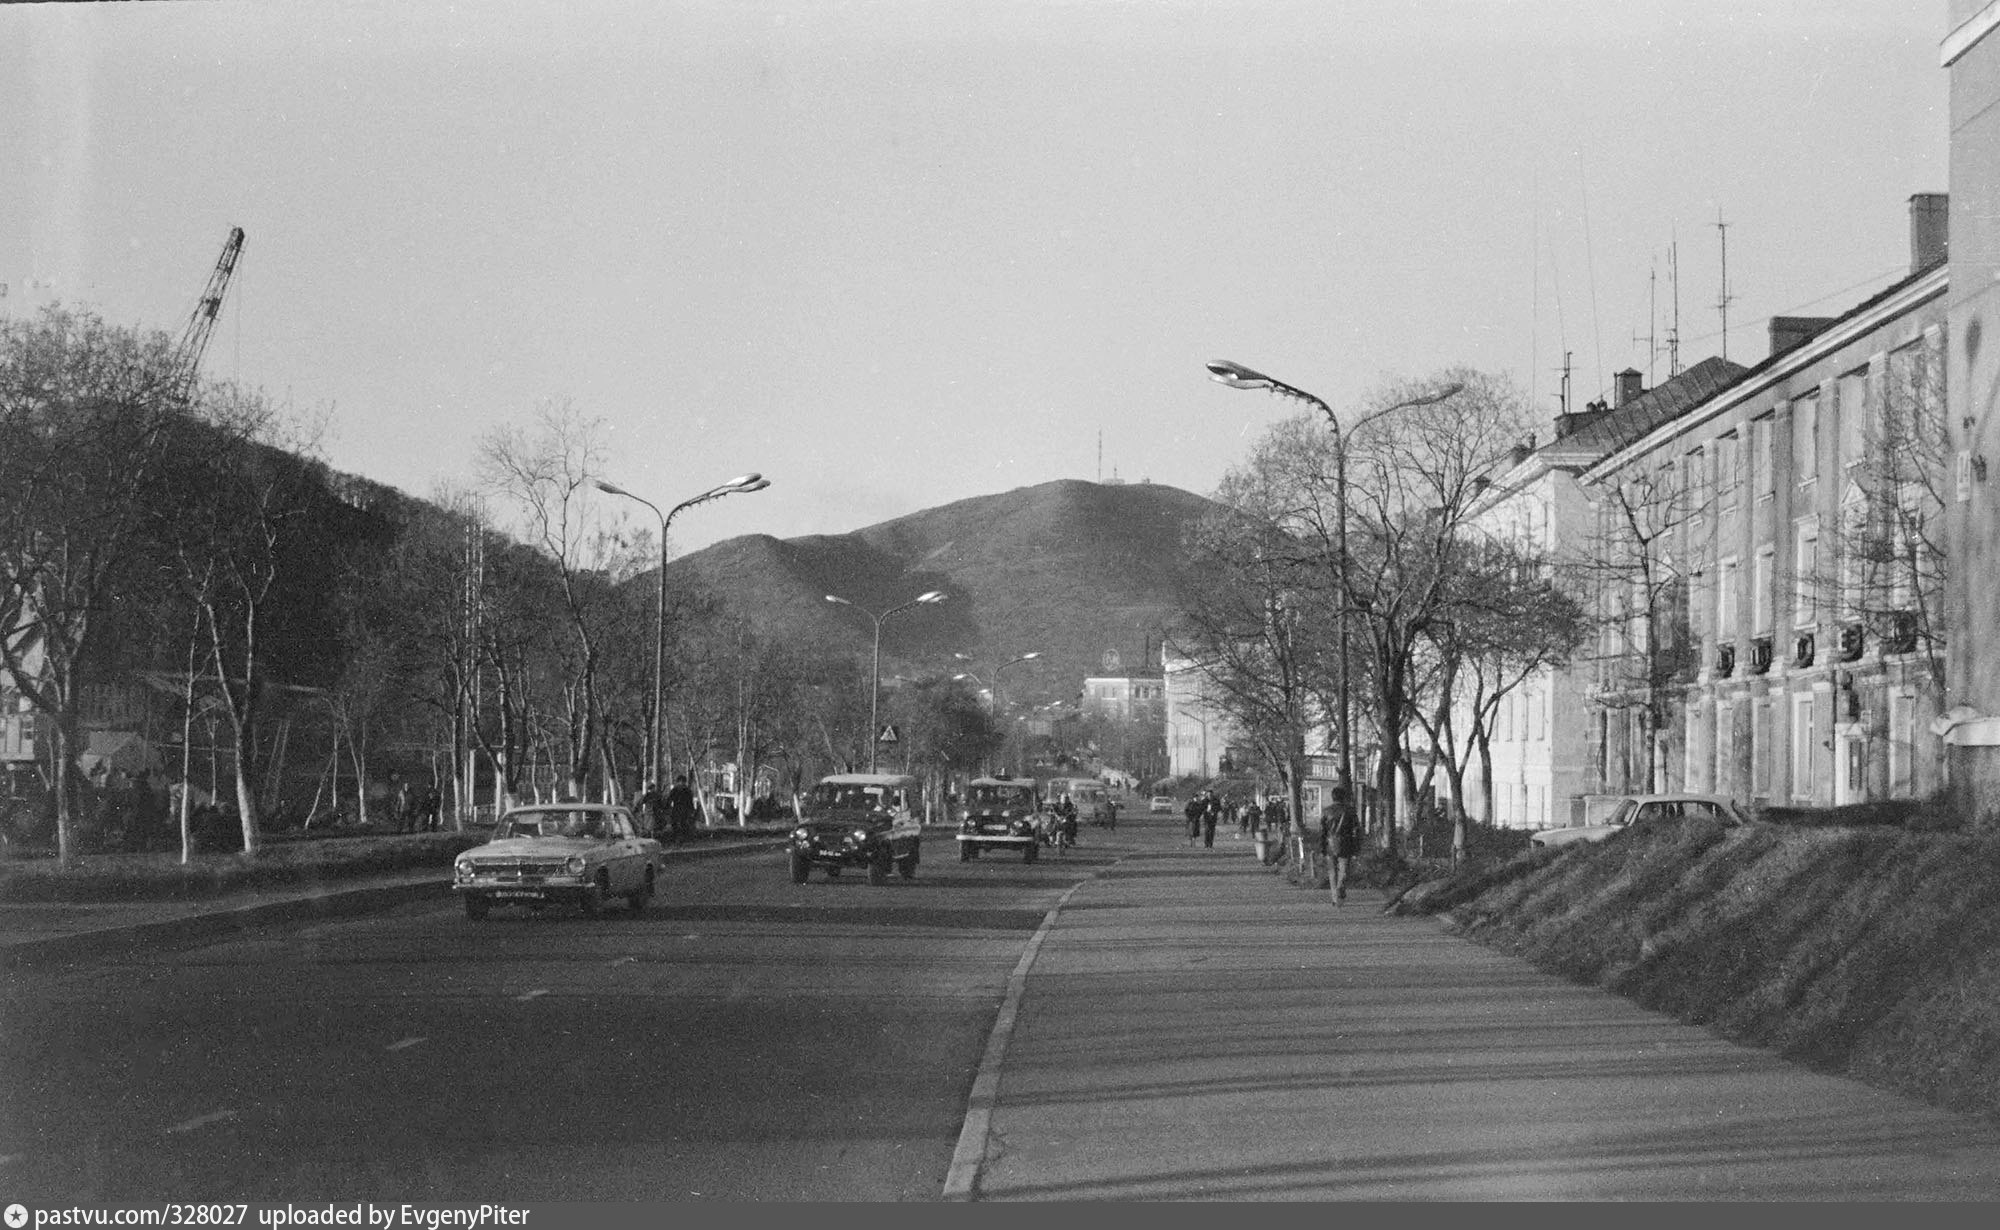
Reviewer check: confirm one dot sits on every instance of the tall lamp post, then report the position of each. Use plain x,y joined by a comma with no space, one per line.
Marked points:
875,688
656,731
1237,376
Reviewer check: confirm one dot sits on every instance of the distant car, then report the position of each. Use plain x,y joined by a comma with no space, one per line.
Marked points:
571,853
868,820
1000,814
1642,809
1161,805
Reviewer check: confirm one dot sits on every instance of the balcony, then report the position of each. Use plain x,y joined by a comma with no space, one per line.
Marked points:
1853,640
1760,655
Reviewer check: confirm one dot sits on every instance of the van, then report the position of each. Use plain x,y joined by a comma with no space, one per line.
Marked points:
1093,801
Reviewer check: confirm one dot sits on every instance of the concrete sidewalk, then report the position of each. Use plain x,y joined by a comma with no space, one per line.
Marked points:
38,932
1191,1026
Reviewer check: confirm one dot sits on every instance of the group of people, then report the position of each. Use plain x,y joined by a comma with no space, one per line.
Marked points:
418,809
670,815
1339,827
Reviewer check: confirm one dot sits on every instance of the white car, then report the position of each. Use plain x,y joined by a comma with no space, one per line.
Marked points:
1631,809
577,853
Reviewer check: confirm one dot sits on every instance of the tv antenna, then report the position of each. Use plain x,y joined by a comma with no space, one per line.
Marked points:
1723,300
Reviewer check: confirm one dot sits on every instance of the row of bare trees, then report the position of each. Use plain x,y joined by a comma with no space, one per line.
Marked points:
1442,618
152,531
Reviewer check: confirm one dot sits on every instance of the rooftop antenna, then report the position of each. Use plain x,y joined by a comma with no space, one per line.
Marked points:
1674,330
1651,337
1723,299
1562,398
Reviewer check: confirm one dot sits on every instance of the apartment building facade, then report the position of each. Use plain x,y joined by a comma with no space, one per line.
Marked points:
1783,646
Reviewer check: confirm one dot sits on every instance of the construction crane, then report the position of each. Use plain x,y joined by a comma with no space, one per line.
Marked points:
201,322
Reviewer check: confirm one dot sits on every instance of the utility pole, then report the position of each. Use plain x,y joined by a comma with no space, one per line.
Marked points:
1651,337
1562,398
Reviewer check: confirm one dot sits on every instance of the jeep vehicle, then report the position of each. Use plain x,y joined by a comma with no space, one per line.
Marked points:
1000,813
867,820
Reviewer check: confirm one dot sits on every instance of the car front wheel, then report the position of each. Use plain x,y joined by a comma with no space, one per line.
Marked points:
638,899
1028,855
964,851
878,869
592,899
801,867
906,866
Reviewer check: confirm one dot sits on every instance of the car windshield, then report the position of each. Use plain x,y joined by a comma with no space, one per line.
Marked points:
552,824
1623,813
999,796
845,796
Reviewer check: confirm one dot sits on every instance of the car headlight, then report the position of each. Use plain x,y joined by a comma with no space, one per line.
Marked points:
462,869
801,833
858,836
574,864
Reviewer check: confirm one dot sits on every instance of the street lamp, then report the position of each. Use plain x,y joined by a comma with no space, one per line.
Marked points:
656,730
1237,376
875,689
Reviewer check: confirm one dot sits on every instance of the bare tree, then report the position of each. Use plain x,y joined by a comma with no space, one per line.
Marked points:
545,472
84,412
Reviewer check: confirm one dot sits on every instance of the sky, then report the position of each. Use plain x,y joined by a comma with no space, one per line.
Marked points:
897,253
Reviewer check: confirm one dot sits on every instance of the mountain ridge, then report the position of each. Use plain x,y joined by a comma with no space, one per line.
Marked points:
1070,569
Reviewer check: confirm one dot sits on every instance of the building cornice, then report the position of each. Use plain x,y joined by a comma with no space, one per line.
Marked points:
1969,32
1844,333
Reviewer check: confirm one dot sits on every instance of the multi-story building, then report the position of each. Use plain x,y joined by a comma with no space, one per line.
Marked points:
1971,726
1774,627
1199,732
1538,728
1125,697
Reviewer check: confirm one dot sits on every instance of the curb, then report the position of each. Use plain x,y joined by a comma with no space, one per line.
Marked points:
961,1181
325,903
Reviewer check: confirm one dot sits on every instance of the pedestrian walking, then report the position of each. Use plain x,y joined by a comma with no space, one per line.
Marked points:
1209,816
433,806
406,808
681,809
1340,840
1250,818
653,806
1194,810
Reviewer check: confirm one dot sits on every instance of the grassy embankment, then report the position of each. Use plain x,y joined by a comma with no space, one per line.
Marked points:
1868,952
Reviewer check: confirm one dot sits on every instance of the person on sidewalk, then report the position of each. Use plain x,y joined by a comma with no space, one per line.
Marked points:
1340,839
680,809
1250,819
1194,810
1209,816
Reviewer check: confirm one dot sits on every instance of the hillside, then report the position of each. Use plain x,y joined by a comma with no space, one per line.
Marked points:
1869,952
1071,569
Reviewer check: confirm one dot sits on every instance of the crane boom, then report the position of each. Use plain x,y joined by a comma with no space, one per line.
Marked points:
201,322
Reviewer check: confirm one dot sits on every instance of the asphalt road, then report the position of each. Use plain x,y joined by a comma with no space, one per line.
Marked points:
744,1039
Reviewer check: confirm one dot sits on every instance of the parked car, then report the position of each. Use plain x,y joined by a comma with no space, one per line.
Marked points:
1160,805
1641,809
999,815
548,853
868,820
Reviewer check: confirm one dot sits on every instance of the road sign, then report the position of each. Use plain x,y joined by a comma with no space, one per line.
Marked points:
888,735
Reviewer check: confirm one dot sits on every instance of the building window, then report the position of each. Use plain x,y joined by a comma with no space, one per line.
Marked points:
1805,439
1727,478
1695,762
1763,764
1725,744
1852,407
1902,744
1802,746
1761,598
1805,567
1760,457
1725,600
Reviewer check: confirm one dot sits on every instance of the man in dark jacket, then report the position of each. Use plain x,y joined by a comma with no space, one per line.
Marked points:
681,809
1340,839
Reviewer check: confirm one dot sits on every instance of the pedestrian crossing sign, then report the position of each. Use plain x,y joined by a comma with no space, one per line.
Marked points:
888,734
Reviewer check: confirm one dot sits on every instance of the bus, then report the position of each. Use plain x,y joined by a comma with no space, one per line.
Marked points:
1093,801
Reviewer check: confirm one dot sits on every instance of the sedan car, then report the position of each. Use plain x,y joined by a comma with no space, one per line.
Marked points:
1161,805
1641,809
548,853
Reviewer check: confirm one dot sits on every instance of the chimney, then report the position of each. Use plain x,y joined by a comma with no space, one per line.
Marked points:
1629,386
1928,230
1788,332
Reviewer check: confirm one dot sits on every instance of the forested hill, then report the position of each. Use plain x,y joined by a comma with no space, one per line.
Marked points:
1070,569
